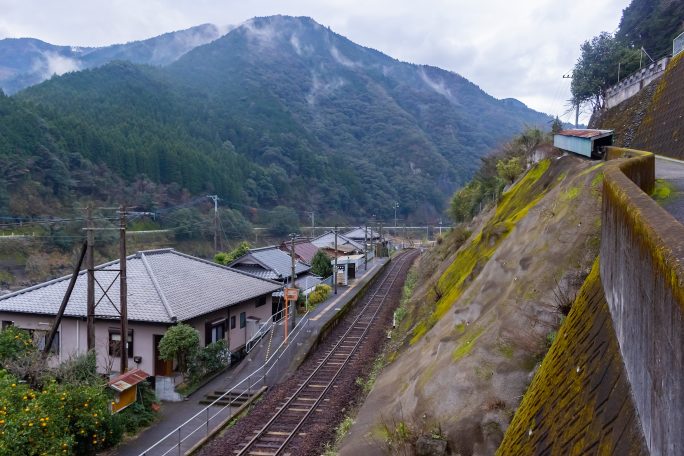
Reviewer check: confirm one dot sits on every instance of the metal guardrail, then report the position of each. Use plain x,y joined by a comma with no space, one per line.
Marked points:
173,442
251,343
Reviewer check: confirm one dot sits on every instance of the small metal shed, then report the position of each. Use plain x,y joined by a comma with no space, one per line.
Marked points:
125,388
585,142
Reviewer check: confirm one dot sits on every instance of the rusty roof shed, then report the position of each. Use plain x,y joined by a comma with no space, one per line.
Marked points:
586,142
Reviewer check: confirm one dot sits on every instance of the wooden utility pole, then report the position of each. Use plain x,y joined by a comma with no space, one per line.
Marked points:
335,268
90,265
58,319
371,242
365,248
292,256
123,289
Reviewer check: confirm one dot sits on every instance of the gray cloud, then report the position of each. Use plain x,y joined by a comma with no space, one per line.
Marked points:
509,49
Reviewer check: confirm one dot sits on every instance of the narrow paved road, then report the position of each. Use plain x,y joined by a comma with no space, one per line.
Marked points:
673,172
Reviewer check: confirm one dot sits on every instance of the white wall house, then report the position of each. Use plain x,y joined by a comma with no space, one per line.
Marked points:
164,287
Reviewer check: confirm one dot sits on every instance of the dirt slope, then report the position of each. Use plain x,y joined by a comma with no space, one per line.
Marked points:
479,325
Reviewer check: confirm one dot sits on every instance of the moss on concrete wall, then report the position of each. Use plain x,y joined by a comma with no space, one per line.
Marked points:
653,119
612,381
642,268
514,205
579,401
662,129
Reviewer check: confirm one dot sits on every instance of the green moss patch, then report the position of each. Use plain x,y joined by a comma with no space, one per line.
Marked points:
514,205
467,344
662,191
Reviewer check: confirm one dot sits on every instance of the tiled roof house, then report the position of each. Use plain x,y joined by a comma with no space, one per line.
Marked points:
164,287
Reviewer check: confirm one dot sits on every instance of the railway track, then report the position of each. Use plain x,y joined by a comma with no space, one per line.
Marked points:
310,396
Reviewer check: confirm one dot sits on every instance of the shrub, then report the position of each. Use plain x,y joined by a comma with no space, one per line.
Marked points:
139,414
320,264
225,258
208,360
179,343
319,294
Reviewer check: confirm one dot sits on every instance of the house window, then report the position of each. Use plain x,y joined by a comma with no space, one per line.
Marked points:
7,323
215,331
115,342
40,338
232,322
243,320
260,301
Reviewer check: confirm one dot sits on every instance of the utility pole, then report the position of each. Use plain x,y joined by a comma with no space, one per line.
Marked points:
123,290
313,223
335,268
577,104
619,72
292,256
382,253
365,248
90,265
58,319
396,205
371,241
216,220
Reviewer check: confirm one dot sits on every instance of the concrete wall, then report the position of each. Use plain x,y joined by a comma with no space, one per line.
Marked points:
612,382
642,271
579,401
632,84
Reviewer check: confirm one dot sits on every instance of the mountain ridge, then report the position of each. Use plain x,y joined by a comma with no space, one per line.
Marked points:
27,61
282,110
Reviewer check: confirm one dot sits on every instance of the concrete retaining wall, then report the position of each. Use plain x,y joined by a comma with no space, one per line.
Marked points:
613,380
579,401
642,272
632,84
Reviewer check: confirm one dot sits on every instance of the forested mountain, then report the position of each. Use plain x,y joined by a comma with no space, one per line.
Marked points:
280,110
28,61
652,24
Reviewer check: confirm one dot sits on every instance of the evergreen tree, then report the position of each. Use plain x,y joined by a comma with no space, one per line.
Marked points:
320,264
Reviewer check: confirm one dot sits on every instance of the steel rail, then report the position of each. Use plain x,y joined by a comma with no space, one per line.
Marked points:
383,287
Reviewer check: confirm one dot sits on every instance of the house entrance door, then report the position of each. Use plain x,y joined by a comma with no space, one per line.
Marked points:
161,367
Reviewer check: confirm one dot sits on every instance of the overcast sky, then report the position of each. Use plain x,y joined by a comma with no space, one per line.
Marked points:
516,49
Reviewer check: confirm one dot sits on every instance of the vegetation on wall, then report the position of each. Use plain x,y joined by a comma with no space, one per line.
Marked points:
651,25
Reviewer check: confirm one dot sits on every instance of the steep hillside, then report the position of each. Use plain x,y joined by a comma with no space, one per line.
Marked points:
482,316
28,61
325,124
